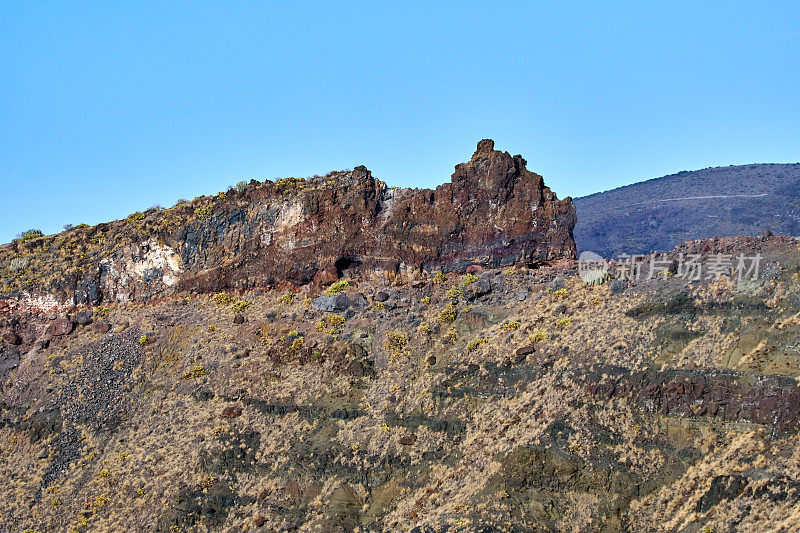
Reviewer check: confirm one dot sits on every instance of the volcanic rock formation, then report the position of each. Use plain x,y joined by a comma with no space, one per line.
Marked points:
494,212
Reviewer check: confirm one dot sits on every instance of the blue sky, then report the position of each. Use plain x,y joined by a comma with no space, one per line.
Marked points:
111,107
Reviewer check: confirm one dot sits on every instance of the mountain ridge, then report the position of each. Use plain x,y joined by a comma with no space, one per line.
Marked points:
493,212
660,213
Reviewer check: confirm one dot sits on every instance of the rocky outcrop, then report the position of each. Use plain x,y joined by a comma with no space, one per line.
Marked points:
493,212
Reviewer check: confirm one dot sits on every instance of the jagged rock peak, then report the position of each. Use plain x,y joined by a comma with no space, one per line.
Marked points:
493,212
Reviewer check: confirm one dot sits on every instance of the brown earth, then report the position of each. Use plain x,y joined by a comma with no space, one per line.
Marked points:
506,400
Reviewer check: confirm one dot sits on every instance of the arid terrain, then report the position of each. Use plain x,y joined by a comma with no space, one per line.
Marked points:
202,368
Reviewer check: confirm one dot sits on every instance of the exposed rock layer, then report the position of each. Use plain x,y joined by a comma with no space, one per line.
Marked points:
494,212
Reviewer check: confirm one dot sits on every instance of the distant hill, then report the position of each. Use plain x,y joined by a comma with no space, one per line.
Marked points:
660,213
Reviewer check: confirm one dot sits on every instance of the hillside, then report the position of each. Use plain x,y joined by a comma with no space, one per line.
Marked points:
335,355
659,214
504,400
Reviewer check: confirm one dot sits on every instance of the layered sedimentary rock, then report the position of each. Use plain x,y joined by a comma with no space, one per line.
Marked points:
493,212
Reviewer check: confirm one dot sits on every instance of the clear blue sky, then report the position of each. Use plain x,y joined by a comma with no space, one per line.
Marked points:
111,107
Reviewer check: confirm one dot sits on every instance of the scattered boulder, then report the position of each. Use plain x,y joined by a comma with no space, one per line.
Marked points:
231,411
101,327
326,276
526,350
331,304
12,338
477,289
9,360
381,296
407,440
360,302
84,318
242,354
238,319
43,342
617,286
61,327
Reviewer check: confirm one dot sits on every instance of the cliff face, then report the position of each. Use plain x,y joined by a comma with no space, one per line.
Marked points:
494,212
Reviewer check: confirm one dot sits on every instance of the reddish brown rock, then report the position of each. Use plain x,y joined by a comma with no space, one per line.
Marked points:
60,327
326,276
231,411
493,212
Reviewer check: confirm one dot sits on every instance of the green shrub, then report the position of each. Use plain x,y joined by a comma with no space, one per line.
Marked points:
222,299
196,372
469,279
338,287
454,292
448,314
240,305
439,278
538,336
472,346
396,341
31,234
336,320
508,326
287,298
297,343
287,185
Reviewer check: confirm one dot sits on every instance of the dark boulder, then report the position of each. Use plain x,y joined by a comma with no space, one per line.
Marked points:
12,338
381,296
84,318
477,289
